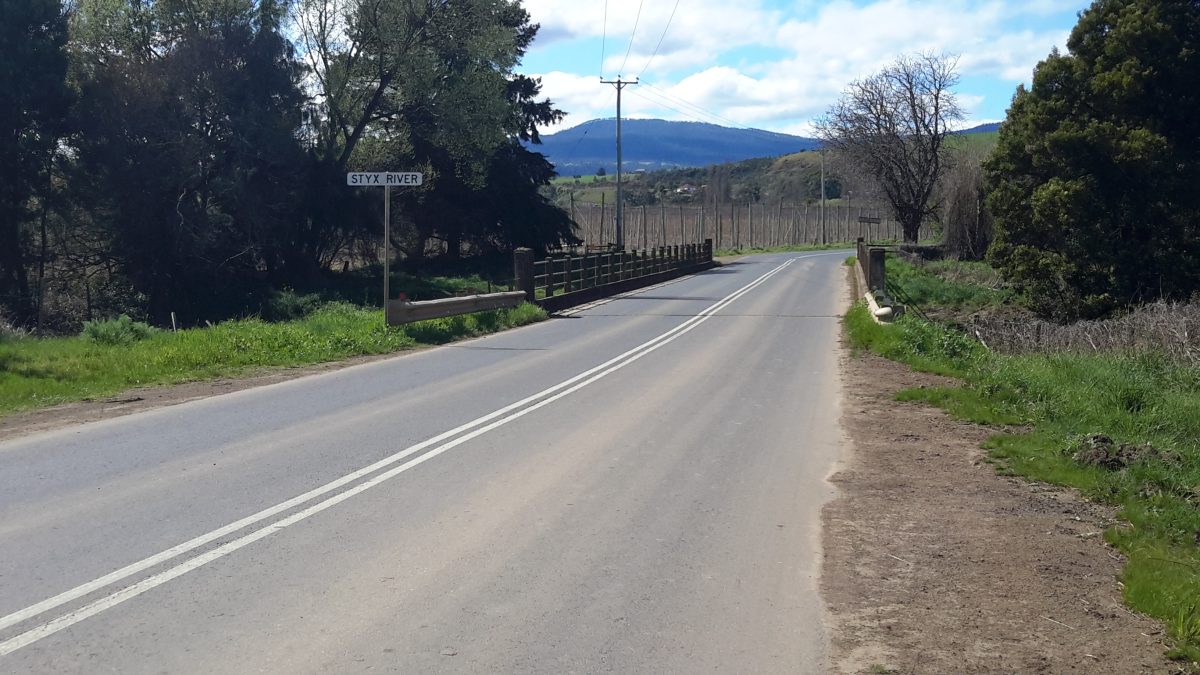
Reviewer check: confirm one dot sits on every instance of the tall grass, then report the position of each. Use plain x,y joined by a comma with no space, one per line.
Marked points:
952,284
40,372
1134,399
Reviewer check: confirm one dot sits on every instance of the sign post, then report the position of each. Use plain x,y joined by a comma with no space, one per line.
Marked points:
386,180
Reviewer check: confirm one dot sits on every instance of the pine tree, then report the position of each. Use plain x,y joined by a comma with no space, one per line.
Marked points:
1095,183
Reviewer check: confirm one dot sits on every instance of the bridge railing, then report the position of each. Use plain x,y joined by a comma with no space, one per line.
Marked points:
565,280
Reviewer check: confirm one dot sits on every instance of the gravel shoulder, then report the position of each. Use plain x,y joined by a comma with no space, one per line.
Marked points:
934,563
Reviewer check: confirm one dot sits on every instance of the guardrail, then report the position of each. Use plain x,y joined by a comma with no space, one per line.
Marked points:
400,312
565,281
871,260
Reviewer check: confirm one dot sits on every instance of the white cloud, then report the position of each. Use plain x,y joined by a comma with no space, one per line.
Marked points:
811,60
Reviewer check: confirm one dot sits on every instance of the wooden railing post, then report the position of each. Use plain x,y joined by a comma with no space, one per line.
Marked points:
523,272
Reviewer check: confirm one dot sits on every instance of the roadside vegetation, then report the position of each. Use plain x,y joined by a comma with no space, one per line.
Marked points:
1122,426
115,355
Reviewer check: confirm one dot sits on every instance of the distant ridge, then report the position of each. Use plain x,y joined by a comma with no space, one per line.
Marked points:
981,129
659,144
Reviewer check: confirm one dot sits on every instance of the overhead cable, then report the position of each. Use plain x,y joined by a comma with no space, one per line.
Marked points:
660,40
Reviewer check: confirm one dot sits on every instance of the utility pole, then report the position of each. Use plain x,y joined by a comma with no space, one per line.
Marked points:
822,196
619,84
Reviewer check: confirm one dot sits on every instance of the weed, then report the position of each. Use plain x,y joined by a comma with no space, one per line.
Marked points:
119,331
950,284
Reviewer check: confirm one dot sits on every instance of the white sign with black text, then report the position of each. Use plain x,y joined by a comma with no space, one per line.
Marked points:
384,179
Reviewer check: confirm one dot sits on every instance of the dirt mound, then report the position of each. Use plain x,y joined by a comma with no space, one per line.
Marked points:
1100,450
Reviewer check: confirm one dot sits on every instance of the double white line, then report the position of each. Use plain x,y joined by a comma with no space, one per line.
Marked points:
435,446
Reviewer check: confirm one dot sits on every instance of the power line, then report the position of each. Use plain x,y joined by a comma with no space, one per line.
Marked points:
587,130
660,39
681,101
699,114
632,35
603,38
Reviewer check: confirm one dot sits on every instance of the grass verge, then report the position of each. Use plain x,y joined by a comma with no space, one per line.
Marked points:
41,372
1124,429
953,284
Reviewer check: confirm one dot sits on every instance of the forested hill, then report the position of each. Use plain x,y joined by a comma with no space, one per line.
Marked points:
657,144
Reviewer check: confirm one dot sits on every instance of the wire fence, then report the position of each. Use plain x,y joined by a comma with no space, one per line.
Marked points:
737,225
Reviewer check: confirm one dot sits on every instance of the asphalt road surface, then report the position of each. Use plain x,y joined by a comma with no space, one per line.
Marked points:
632,488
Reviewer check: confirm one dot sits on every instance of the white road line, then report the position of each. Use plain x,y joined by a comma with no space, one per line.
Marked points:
571,385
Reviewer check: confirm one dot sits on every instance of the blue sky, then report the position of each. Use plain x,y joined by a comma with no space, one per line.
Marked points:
778,64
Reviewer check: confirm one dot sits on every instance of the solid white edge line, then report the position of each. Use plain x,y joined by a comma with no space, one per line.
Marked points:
100,605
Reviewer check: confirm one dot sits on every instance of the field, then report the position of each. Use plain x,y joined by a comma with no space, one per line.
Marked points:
1122,427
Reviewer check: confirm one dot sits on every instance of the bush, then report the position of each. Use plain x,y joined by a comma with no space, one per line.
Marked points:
119,331
288,305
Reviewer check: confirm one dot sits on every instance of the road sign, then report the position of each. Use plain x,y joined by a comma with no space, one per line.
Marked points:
384,179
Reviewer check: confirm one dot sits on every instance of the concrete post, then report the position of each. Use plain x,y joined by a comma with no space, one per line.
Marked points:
876,270
523,271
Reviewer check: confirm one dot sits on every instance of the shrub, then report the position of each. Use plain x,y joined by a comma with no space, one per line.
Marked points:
288,305
119,331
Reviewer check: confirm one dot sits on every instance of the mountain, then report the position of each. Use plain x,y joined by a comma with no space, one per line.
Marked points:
981,129
658,144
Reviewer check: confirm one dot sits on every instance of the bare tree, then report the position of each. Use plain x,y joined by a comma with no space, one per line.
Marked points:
894,126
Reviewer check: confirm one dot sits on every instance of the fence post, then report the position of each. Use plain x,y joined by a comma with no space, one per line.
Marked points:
549,277
708,249
876,271
523,271
567,283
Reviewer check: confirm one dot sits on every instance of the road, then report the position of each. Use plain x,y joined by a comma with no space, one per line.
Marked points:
632,488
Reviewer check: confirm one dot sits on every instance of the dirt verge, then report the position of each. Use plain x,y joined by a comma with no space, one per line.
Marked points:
934,563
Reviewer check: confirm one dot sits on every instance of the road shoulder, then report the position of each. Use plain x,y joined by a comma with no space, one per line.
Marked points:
935,563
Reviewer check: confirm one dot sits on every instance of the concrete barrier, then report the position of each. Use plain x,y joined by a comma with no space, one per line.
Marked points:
400,312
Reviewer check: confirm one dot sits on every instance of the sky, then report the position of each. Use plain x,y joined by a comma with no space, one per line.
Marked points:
778,64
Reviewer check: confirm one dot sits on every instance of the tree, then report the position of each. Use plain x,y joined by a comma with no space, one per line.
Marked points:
967,228
1093,183
187,154
33,108
894,126
427,85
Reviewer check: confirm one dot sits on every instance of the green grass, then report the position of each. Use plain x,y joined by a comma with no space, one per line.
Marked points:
985,142
42,372
958,285
1063,399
